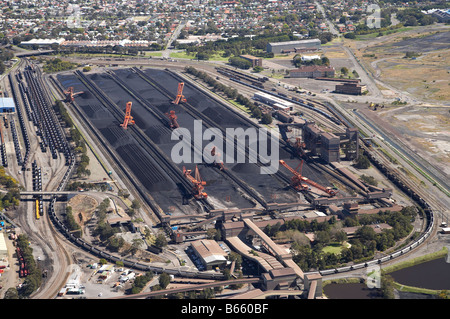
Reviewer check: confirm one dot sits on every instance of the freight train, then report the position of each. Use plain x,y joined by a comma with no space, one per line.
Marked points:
207,275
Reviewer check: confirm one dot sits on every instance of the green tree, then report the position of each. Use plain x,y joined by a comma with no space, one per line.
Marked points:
266,118
161,241
137,242
365,233
387,287
11,293
323,237
164,280
240,63
340,236
362,162
257,69
135,204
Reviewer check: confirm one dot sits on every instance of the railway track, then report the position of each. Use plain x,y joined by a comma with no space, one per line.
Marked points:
164,120
106,150
429,225
40,232
165,164
190,109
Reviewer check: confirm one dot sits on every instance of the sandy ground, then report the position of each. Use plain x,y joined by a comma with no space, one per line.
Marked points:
426,130
425,76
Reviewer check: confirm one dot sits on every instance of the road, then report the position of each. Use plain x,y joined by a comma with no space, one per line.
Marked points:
173,37
441,202
388,143
53,251
331,27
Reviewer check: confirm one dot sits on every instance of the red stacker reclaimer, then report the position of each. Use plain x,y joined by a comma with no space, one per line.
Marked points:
173,119
299,182
197,188
128,118
180,97
70,96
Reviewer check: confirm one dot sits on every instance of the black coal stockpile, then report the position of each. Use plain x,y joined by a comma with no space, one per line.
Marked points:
150,102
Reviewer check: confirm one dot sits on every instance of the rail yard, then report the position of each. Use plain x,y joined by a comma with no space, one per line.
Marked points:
133,118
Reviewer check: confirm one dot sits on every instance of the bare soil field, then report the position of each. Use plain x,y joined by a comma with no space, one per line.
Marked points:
425,76
427,131
83,207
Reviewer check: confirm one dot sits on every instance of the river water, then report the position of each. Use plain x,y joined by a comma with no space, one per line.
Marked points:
350,291
434,274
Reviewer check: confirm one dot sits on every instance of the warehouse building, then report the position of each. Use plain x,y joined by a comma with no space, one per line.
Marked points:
273,101
3,247
210,253
43,43
254,60
7,105
293,46
350,88
313,71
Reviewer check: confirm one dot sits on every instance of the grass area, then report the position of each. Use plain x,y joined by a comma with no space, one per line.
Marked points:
334,248
369,36
240,106
405,288
184,55
334,41
342,281
153,53
181,55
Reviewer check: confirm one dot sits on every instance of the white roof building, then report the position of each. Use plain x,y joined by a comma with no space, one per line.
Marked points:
210,253
310,57
43,42
3,247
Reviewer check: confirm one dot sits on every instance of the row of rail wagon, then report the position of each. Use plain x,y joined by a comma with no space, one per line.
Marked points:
379,260
22,123
258,86
112,258
210,275
23,270
393,177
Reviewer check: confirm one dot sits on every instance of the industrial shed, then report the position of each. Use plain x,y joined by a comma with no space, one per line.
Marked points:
276,103
3,248
288,46
210,253
7,105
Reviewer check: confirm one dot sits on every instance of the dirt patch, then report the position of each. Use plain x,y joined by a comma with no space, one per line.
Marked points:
335,53
424,76
423,129
83,207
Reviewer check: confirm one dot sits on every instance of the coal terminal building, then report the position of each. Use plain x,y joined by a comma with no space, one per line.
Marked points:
292,46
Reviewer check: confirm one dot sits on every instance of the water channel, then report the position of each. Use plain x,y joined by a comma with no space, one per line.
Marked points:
434,274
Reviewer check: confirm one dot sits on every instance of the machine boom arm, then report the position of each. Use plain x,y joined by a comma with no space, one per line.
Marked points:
128,118
297,179
180,97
